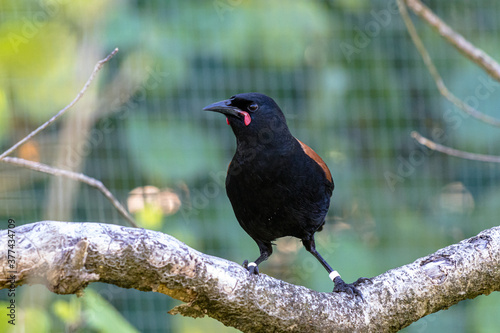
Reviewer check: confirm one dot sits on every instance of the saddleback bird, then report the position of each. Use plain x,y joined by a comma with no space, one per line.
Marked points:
277,185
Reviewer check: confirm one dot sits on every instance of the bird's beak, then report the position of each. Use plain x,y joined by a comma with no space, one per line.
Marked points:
224,107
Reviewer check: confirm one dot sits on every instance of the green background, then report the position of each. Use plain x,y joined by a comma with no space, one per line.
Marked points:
351,84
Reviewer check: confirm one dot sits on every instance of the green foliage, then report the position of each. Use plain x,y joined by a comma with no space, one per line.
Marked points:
5,118
28,319
175,149
356,110
69,312
33,81
103,317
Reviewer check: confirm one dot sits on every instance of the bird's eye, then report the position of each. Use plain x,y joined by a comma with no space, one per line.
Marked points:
253,107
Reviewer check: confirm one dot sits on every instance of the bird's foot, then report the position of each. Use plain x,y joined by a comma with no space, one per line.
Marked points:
252,267
342,287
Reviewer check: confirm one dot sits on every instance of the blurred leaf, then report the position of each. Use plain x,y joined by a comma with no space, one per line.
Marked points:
86,12
37,68
328,103
27,320
168,150
102,316
4,325
274,33
36,320
354,5
138,37
150,217
68,312
5,118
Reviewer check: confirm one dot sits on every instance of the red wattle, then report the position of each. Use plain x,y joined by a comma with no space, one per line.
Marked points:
227,121
247,119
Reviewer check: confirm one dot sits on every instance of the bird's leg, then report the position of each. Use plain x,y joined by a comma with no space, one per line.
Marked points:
340,285
266,249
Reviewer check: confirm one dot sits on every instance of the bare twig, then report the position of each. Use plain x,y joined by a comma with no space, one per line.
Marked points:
97,68
435,74
454,152
75,176
65,173
475,54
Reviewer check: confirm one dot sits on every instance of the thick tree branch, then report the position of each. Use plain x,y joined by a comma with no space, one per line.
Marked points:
66,257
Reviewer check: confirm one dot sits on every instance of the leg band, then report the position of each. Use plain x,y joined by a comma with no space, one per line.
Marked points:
252,264
334,274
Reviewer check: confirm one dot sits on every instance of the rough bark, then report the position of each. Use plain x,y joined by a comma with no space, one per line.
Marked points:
66,257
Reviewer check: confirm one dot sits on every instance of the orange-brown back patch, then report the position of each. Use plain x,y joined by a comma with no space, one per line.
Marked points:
312,154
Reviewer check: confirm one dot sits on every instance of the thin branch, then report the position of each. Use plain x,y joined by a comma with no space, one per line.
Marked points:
65,173
454,152
66,257
475,54
97,68
75,176
434,72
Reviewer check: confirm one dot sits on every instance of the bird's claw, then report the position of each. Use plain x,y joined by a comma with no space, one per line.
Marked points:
342,287
252,268
361,280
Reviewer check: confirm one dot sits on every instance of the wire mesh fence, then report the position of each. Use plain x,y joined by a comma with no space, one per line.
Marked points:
350,83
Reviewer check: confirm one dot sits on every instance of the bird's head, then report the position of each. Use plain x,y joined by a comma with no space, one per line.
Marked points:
252,115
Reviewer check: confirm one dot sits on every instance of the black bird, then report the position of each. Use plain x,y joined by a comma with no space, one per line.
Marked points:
277,185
